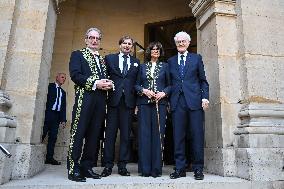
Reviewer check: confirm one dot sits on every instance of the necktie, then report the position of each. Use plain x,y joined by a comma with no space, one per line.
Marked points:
181,65
124,71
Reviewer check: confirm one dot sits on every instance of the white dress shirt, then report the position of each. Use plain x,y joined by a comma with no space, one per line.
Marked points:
153,68
57,105
121,59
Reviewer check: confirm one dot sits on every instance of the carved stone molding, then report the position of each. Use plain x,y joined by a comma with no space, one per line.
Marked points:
261,119
204,10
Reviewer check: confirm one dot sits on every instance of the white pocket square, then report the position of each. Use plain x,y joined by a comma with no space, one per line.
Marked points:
135,64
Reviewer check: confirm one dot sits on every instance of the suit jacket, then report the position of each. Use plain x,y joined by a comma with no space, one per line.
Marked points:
51,98
193,85
123,84
84,70
159,82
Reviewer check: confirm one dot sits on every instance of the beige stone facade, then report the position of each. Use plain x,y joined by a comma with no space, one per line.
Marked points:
242,45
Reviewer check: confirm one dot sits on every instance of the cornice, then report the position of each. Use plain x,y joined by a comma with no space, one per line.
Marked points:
200,6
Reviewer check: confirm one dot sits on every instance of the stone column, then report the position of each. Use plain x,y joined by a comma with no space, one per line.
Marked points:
217,43
260,135
24,77
242,45
7,122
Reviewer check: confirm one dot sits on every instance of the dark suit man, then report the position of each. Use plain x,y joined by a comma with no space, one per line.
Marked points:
122,69
88,72
55,115
189,97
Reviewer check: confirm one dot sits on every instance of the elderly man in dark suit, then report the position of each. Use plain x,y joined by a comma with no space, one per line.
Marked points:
122,69
88,72
189,97
55,115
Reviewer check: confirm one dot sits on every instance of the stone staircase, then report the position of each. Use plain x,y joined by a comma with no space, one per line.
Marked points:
55,177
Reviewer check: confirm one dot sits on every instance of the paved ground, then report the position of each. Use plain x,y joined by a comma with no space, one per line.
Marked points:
56,177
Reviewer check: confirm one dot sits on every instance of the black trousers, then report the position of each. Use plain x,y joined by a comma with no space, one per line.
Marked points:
50,128
119,117
184,120
87,118
151,137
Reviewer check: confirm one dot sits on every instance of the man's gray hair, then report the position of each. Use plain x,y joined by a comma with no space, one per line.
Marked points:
93,29
182,34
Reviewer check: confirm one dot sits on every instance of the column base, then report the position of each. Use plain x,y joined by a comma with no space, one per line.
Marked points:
220,161
6,164
260,164
29,160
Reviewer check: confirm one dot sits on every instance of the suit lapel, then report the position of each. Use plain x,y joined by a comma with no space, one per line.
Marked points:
116,65
176,65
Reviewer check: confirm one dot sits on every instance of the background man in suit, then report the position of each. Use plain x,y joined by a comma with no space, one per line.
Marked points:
123,70
88,72
55,115
189,97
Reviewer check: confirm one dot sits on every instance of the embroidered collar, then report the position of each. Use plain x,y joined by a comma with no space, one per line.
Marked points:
152,80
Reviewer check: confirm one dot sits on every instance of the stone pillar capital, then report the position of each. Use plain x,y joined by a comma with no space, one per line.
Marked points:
203,10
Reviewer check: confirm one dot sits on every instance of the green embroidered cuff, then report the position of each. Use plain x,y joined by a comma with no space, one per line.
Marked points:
90,82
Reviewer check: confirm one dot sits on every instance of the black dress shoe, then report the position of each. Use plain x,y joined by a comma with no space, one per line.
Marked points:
91,174
123,172
106,172
52,162
177,174
198,175
155,175
77,177
145,175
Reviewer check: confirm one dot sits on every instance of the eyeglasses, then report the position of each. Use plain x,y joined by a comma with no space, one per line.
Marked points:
94,38
155,49
181,42
125,43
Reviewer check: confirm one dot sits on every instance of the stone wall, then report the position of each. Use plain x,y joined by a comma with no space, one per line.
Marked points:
243,48
260,135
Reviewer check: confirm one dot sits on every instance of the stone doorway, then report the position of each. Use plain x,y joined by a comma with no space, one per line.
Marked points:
115,20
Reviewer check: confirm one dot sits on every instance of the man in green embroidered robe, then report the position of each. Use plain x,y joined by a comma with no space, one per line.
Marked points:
88,72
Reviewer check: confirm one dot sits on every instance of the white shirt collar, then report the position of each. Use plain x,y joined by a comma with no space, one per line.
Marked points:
94,52
121,54
185,54
56,85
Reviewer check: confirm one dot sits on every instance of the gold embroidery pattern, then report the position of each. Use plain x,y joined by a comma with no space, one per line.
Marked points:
92,64
153,80
79,91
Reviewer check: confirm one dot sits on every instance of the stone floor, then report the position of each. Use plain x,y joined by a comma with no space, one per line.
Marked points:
55,177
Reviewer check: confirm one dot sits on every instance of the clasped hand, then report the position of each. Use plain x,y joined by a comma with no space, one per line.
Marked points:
104,84
152,95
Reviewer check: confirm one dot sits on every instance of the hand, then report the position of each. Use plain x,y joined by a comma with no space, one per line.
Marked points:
205,104
62,124
104,84
148,93
159,96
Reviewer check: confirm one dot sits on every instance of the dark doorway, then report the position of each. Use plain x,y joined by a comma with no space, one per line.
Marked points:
164,32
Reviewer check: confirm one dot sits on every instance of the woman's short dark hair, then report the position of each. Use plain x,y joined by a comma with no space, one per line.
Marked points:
122,39
150,47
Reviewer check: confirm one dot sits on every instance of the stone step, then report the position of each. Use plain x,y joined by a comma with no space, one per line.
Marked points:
55,177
